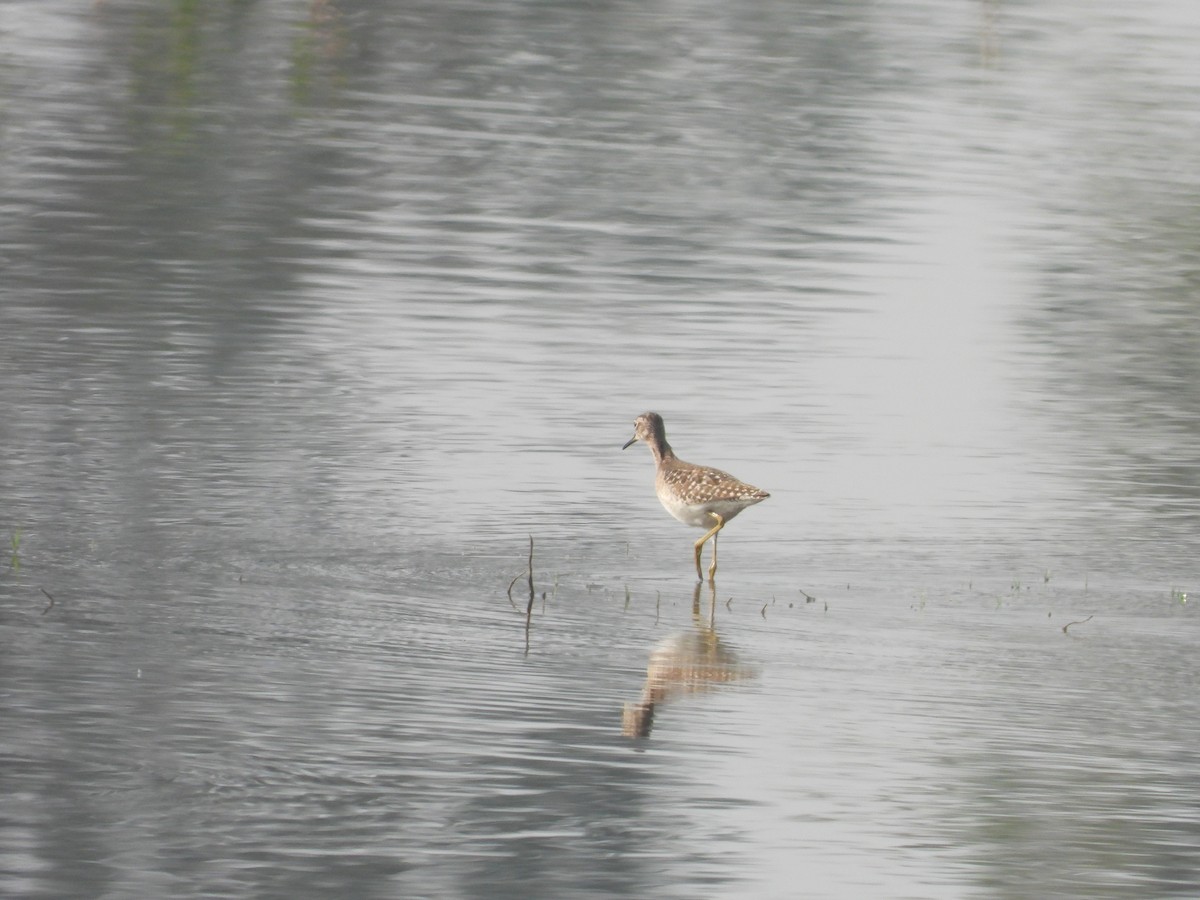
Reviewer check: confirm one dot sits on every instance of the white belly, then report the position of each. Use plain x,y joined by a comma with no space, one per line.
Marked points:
698,515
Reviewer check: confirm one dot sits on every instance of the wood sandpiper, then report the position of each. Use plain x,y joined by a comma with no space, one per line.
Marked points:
695,495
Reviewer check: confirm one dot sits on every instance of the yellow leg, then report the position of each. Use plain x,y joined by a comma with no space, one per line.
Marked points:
712,569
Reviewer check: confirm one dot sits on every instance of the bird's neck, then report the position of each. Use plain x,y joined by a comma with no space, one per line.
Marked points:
661,449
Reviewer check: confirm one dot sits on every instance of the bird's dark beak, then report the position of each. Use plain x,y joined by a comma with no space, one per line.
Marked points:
629,443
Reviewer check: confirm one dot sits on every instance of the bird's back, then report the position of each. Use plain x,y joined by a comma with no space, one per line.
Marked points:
690,492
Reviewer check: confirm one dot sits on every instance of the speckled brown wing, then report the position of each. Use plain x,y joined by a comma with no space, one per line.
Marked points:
694,484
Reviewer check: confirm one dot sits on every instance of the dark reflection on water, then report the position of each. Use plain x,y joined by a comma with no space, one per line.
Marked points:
684,663
311,314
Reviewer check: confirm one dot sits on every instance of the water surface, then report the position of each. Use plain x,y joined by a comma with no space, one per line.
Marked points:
312,315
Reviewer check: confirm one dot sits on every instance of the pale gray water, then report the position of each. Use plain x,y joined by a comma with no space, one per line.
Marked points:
311,314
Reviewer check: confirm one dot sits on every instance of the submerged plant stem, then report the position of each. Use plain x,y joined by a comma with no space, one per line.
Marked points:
1080,622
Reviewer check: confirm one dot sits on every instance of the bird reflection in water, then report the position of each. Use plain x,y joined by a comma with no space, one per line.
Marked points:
685,663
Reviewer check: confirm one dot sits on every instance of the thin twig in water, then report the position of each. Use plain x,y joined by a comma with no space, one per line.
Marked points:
531,569
510,587
48,597
1080,622
532,595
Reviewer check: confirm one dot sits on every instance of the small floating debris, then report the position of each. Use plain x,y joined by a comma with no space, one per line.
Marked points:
1080,622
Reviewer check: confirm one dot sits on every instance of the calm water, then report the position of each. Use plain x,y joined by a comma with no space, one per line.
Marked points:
313,313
